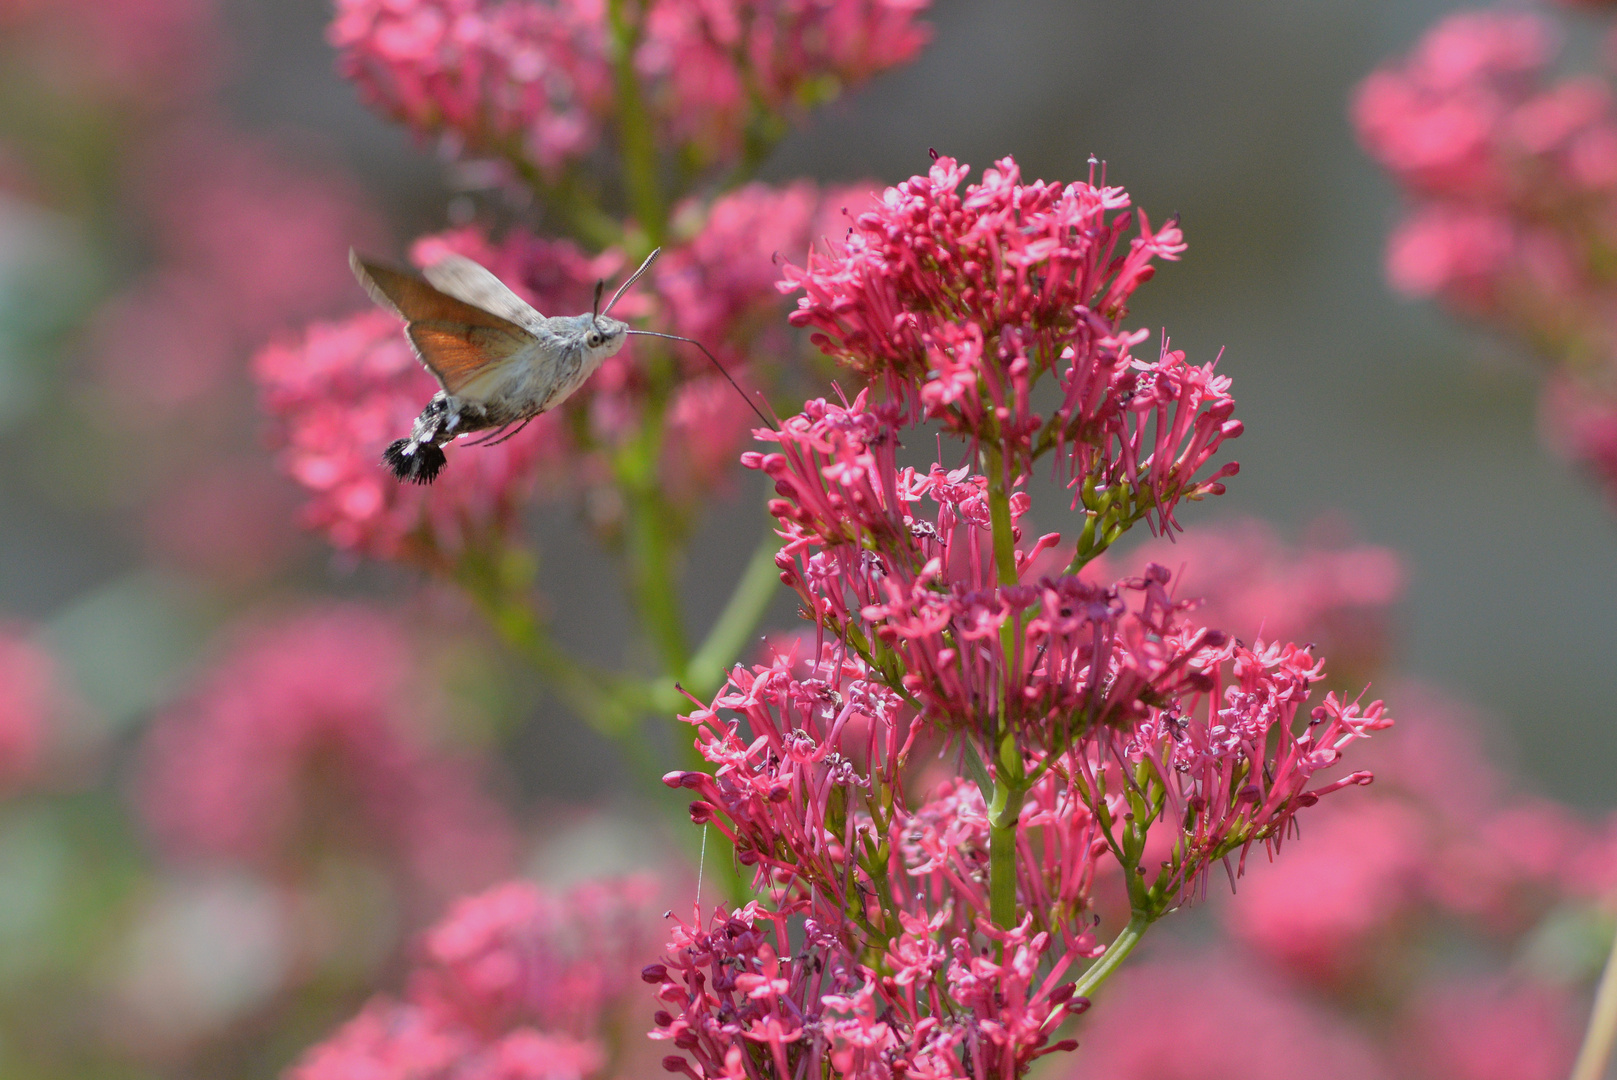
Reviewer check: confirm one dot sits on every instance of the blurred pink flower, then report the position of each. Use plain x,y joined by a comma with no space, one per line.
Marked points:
30,699
534,82
135,54
516,983
1510,177
518,954
1252,584
1211,1017
303,734
245,243
719,287
1439,840
527,78
1489,1029
1343,889
1580,422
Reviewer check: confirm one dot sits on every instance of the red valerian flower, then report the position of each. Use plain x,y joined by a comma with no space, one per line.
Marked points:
516,984
534,81
301,711
960,301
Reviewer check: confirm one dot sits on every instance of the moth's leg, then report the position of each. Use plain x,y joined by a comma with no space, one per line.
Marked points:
506,438
495,434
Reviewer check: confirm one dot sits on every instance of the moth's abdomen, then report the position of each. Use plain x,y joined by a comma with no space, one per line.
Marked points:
417,463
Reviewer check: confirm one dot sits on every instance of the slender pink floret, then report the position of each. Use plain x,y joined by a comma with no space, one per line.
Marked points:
960,301
29,700
516,983
310,712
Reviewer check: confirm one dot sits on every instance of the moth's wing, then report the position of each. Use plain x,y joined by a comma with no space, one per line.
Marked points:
456,341
465,280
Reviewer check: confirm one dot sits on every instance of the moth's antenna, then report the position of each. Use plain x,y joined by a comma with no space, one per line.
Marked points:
595,309
632,279
692,341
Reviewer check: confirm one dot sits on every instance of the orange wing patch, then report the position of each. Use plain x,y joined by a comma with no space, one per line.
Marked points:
457,341
458,353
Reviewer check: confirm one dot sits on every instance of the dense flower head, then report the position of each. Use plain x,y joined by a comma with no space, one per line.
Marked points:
29,700
740,1001
534,81
811,785
300,717
839,735
960,301
516,983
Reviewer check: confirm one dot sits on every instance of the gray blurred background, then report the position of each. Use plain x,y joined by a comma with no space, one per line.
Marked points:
1234,115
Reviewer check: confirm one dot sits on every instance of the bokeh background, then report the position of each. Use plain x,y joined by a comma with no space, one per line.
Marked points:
1397,425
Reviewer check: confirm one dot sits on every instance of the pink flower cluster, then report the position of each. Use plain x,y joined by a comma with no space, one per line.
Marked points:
961,301
344,390
304,736
1510,175
1441,849
534,82
513,984
29,701
748,1005
1095,727
814,797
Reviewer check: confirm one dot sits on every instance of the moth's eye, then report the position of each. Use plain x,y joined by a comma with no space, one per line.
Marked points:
594,340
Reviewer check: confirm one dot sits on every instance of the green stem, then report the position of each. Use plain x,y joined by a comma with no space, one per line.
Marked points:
636,139
1602,1031
1009,774
1003,812
999,512
1118,951
748,602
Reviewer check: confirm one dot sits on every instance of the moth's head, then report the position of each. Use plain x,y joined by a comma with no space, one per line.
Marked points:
605,335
